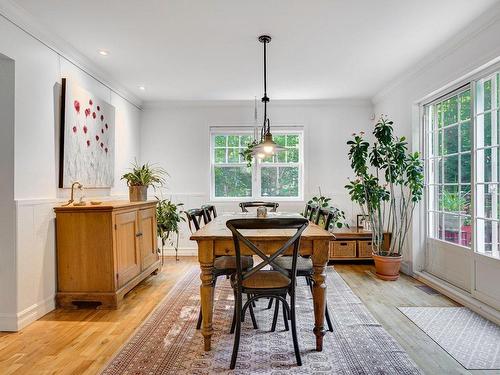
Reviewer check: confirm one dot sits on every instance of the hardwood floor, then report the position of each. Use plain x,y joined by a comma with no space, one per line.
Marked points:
82,341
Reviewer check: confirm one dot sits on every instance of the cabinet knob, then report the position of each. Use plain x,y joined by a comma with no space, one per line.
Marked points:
138,234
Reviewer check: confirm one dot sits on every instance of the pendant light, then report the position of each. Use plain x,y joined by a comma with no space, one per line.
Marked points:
267,146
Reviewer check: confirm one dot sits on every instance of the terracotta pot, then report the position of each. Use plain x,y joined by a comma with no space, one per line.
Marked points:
387,267
138,193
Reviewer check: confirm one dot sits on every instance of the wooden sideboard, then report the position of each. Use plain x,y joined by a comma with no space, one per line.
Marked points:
104,251
352,244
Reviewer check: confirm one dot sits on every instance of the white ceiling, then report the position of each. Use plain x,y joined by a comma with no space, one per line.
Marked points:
208,49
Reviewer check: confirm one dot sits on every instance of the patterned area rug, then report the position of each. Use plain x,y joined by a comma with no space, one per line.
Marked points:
468,337
168,343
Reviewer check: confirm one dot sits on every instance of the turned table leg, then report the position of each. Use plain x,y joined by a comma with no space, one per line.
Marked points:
206,258
320,260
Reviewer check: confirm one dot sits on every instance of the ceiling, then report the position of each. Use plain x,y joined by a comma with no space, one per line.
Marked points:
208,49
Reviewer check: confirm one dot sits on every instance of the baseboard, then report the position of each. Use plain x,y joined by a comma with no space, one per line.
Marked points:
16,322
183,252
459,296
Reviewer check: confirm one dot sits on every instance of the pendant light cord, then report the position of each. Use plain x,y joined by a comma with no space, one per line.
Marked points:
265,99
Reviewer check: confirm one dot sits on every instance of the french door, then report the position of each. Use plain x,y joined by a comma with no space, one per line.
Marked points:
462,140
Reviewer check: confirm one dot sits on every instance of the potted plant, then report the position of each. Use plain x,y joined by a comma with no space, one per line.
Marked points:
389,183
247,152
168,217
141,177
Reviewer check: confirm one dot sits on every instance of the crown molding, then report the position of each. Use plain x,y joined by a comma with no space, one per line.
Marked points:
353,102
26,22
468,33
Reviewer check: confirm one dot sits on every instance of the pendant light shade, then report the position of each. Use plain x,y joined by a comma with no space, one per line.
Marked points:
267,146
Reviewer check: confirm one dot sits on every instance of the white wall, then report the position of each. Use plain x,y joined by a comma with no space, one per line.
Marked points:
38,73
7,207
176,135
477,46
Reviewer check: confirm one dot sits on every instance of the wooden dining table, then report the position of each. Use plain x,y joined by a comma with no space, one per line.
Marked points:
215,239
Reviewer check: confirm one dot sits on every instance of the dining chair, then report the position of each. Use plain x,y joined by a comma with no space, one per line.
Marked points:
223,265
276,283
272,205
310,211
304,269
210,211
324,215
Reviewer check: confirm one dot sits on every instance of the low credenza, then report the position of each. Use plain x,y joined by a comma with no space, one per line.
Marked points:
353,244
103,251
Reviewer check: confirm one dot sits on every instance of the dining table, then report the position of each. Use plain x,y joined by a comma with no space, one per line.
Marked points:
215,239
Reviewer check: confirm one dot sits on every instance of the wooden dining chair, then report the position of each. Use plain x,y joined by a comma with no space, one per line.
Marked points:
304,268
223,265
272,205
276,283
210,210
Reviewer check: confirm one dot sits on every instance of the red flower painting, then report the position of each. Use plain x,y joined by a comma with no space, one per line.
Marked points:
88,139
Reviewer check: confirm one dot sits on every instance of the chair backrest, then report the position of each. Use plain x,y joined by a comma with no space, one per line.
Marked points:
194,216
273,205
325,215
210,211
310,211
236,225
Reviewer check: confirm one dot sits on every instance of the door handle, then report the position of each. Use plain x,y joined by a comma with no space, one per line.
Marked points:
138,234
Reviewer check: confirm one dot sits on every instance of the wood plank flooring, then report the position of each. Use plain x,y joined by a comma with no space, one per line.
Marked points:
82,341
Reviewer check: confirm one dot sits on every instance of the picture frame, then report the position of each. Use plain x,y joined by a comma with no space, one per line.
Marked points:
87,138
362,222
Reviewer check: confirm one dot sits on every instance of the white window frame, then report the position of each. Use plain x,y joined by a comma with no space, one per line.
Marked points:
257,165
471,81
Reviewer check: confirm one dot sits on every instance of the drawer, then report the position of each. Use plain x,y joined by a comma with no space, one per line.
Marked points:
365,249
343,249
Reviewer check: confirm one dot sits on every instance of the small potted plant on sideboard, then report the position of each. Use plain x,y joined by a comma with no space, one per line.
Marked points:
141,177
389,183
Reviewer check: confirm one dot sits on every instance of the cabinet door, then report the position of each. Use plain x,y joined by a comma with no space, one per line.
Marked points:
147,224
127,246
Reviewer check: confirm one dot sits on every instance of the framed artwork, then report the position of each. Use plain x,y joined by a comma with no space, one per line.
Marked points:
87,144
362,222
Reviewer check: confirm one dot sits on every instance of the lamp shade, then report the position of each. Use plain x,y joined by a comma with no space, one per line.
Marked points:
267,147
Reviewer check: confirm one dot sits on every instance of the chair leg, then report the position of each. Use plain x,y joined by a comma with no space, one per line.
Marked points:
252,315
285,317
294,331
328,320
198,324
237,332
233,323
270,304
275,317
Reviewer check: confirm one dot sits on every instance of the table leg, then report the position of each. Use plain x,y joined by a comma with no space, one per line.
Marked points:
206,258
320,260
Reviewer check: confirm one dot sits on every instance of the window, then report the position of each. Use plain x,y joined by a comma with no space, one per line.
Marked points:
277,176
487,171
462,163
449,165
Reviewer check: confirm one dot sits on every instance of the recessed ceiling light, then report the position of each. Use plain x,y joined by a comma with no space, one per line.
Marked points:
103,52
142,88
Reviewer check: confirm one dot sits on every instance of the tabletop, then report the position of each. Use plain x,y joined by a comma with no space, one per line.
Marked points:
217,229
